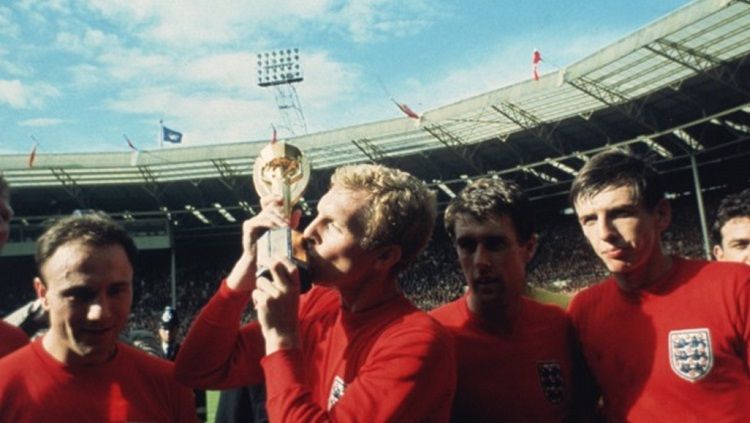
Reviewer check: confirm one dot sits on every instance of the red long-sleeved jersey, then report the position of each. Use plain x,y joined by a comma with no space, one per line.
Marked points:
524,374
133,386
389,363
11,338
676,351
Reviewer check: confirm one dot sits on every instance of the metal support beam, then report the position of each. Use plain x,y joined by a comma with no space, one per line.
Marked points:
369,149
699,62
150,184
531,123
70,186
227,175
615,99
229,178
454,144
290,108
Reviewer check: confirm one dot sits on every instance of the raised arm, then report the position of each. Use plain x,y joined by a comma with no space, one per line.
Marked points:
217,353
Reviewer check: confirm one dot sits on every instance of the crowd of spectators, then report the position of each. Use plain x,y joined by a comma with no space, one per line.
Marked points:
563,263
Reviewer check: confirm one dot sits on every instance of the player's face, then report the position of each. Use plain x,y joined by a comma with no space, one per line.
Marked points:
88,295
493,260
735,241
622,232
6,213
334,253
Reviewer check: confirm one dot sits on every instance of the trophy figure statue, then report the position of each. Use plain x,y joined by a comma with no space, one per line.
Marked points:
281,169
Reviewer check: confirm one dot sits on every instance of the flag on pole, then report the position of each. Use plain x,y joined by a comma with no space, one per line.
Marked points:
134,153
407,110
32,155
130,144
536,58
170,135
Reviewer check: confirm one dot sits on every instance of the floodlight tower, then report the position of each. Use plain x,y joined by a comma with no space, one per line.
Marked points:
280,69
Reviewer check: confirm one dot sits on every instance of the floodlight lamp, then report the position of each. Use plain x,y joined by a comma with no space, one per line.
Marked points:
278,67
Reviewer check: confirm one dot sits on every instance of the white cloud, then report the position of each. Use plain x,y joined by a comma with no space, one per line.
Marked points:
20,96
85,75
10,67
373,20
190,23
228,71
7,25
133,64
329,80
88,43
204,22
202,118
39,122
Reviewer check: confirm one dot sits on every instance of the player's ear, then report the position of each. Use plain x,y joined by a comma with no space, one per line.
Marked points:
41,292
529,248
388,256
663,212
718,252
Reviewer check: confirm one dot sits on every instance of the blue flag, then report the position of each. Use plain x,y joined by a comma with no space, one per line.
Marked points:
172,136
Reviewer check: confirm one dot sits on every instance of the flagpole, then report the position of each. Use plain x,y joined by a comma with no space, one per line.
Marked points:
161,134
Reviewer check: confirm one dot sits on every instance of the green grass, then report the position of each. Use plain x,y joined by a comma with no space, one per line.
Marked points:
212,400
549,297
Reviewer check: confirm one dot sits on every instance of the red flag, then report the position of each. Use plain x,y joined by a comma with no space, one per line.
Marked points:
536,58
407,110
130,144
32,156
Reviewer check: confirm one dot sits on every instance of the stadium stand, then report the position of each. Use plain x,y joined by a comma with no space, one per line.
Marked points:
676,91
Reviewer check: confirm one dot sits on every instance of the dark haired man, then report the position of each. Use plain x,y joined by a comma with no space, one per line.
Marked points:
666,338
78,371
353,348
11,338
514,355
731,229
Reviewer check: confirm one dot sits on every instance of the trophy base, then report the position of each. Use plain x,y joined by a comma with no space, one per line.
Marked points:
283,242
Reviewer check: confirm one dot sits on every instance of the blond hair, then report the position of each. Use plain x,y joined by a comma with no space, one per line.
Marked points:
400,210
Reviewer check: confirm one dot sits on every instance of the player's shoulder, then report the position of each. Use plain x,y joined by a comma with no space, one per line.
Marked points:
544,311
144,361
731,278
11,338
15,361
720,267
448,312
320,299
416,325
593,294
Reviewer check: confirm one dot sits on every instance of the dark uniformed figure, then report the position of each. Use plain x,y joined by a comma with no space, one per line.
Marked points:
168,327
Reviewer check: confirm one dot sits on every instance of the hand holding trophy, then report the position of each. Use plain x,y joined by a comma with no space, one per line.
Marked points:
282,170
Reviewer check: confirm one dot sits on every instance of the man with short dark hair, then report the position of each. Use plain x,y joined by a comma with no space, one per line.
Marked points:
731,228
11,338
353,348
666,338
515,356
79,371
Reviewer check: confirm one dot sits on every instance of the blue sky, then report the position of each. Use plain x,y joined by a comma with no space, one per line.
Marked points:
78,74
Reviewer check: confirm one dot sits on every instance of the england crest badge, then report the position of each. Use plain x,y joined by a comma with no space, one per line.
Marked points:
337,391
690,353
551,379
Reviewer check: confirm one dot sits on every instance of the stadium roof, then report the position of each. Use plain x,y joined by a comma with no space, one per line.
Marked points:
677,91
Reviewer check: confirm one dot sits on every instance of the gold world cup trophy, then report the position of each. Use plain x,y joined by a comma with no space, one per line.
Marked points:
282,170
